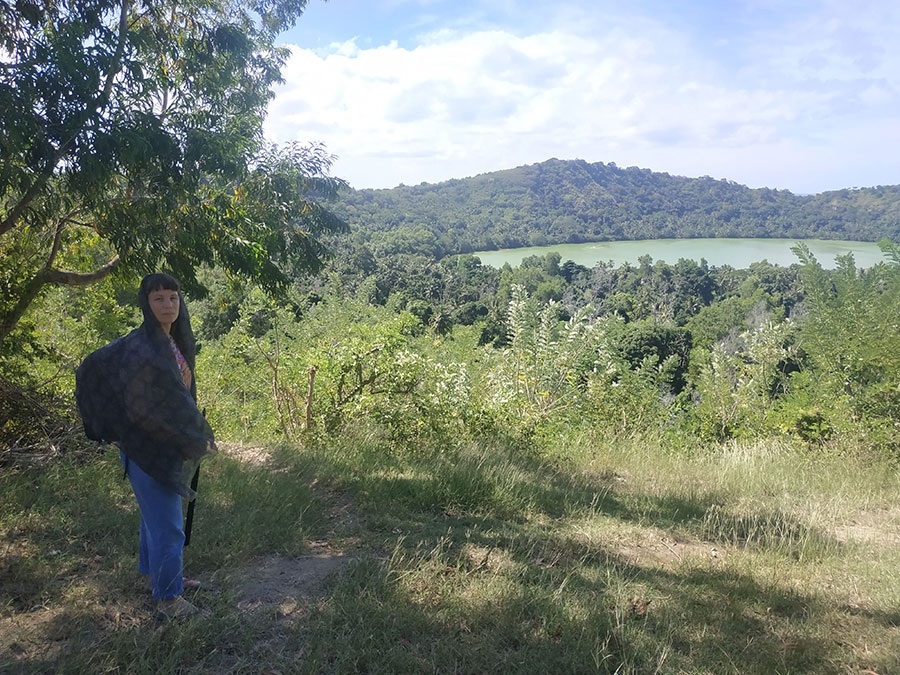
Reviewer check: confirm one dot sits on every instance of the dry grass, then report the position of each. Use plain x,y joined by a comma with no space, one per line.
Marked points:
612,557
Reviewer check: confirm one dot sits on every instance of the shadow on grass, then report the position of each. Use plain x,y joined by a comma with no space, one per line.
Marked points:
246,510
63,520
532,599
517,488
70,535
382,618
638,618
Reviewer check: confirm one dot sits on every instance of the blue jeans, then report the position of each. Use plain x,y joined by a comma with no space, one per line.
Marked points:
162,532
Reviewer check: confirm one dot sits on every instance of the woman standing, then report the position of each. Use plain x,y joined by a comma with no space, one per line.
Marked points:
140,393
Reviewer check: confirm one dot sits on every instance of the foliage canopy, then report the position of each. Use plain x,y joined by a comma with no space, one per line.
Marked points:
131,138
573,201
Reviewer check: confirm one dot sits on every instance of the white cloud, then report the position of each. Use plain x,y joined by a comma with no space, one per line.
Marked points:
465,103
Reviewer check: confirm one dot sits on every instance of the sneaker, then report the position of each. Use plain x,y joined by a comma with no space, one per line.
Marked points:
176,608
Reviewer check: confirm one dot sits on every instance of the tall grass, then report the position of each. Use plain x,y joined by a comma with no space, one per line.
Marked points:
579,553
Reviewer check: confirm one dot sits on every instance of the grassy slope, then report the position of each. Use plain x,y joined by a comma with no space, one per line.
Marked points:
589,555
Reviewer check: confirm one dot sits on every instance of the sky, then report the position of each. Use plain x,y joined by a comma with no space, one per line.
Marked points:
802,95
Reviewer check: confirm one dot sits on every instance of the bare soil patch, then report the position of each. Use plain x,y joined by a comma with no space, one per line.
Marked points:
285,584
881,526
660,549
251,454
44,632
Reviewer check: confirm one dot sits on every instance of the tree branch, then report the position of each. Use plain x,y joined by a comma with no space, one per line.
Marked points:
64,277
117,57
40,181
57,239
13,218
80,223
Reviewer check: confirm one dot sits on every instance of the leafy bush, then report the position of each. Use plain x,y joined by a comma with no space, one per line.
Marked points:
851,336
740,381
546,363
343,361
629,399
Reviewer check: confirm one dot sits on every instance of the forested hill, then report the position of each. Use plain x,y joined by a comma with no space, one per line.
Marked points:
574,201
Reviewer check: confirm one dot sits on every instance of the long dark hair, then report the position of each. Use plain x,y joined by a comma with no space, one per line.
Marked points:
181,330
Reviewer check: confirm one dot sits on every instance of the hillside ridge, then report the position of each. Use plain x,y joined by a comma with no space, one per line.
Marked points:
574,201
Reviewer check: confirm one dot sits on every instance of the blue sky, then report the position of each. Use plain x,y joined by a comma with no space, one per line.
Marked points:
801,95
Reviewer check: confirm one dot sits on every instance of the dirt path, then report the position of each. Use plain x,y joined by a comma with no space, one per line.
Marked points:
270,586
282,585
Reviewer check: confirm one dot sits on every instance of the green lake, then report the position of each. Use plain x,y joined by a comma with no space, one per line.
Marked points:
738,253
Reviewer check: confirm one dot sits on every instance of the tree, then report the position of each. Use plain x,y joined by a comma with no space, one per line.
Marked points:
851,332
131,138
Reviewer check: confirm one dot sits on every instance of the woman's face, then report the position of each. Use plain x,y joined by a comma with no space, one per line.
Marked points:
164,304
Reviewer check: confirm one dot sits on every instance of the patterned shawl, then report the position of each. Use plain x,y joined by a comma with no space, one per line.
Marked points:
130,393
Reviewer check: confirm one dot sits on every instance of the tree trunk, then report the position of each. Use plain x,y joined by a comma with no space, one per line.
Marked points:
50,276
11,318
309,398
12,220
